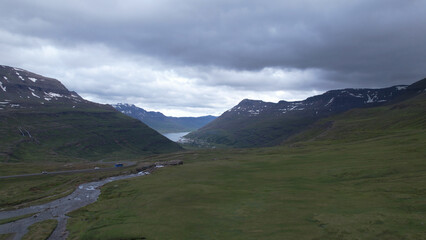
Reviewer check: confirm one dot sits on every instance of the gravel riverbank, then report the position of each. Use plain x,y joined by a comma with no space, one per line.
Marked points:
85,194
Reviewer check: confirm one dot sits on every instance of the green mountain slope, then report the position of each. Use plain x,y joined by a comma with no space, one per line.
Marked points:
40,120
401,118
257,124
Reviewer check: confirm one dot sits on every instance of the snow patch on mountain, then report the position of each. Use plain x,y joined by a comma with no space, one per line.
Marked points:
254,112
292,108
371,99
20,76
2,87
358,96
33,79
53,95
296,106
399,88
331,100
34,95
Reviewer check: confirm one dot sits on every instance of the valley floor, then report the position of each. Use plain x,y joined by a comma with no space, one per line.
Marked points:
369,189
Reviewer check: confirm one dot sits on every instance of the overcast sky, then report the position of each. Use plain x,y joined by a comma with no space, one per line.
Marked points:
195,57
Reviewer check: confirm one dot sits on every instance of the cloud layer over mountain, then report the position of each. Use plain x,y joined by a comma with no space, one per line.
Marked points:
202,57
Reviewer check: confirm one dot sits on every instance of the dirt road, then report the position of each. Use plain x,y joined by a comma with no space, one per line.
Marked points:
127,164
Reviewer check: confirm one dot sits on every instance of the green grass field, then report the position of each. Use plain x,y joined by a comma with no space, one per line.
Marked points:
362,177
6,236
13,219
364,190
41,230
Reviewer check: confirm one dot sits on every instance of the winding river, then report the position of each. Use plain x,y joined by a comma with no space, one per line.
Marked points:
85,194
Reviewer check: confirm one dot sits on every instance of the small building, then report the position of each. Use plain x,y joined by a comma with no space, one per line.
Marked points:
118,165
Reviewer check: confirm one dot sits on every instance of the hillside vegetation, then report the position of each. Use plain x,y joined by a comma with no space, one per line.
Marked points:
62,134
41,120
254,123
388,121
357,175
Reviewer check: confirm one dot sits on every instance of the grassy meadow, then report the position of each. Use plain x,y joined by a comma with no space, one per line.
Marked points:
41,230
364,190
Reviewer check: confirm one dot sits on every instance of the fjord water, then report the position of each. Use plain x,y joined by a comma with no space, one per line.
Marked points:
175,136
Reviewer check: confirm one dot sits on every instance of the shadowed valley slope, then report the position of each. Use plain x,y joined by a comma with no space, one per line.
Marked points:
40,120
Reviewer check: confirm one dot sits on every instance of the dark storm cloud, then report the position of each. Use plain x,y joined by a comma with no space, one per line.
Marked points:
380,40
258,46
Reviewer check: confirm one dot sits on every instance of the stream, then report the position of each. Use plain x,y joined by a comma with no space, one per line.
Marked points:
85,194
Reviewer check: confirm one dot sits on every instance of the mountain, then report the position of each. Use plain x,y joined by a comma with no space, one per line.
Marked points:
40,120
254,123
395,122
21,89
362,178
162,123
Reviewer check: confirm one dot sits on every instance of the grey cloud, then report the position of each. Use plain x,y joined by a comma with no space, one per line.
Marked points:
235,46
370,37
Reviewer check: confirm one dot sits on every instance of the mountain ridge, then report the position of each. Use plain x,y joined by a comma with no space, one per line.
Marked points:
161,123
254,123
